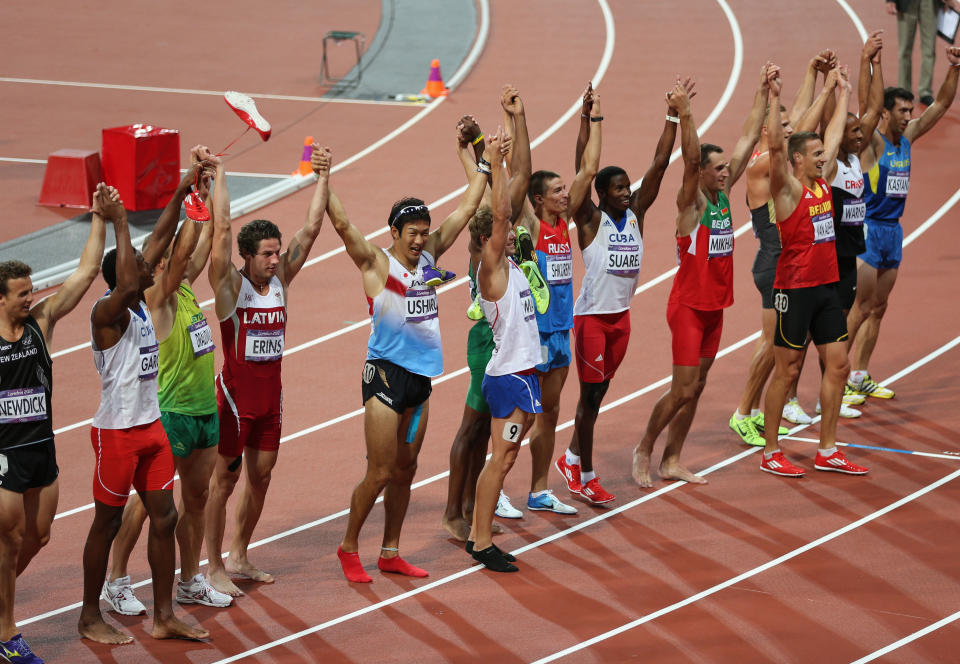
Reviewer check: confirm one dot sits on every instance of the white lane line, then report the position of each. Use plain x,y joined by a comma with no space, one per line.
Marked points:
211,93
17,160
750,573
606,515
909,639
878,448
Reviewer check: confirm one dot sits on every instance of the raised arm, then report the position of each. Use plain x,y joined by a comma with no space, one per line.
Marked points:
822,62
948,90
112,311
833,134
299,248
198,260
443,238
224,278
649,187
583,134
520,163
751,130
781,179
492,275
871,89
162,234
372,262
689,194
589,165
869,59
823,105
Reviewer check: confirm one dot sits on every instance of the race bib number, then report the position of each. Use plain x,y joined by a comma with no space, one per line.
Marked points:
27,404
823,228
721,242
421,305
149,361
526,300
781,302
898,182
623,259
264,345
201,338
854,212
511,431
559,269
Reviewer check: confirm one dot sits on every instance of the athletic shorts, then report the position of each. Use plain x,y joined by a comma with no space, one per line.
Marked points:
507,393
696,333
138,457
847,286
763,280
884,245
187,433
814,310
239,430
554,350
479,349
393,385
601,344
28,466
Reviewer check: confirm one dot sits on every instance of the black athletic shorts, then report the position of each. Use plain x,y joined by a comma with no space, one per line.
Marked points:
815,310
28,467
763,280
393,385
847,286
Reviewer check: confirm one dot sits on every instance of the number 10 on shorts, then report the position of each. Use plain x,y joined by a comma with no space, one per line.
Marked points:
781,302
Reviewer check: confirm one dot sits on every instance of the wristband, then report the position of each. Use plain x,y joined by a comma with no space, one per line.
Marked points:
596,118
585,116
484,168
674,119
478,139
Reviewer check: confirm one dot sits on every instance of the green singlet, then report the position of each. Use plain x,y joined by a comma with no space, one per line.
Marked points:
186,371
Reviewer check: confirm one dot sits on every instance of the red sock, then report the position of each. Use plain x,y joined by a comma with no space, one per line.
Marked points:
352,567
400,566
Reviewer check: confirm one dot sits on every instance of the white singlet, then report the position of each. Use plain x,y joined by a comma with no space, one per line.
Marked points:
611,268
128,375
513,319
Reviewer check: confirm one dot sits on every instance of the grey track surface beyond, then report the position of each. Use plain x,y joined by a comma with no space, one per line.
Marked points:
411,34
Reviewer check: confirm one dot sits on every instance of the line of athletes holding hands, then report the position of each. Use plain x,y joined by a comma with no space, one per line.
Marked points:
163,409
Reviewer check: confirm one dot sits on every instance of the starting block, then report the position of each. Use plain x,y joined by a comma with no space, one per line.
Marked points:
70,178
143,162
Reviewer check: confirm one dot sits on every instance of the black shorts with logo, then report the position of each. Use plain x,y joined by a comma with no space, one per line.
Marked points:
815,310
847,286
393,385
28,466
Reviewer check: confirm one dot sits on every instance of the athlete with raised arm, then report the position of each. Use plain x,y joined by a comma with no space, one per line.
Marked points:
610,236
29,485
403,353
703,285
805,290
251,304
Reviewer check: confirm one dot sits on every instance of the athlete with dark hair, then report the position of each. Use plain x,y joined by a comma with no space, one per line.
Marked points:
403,353
251,304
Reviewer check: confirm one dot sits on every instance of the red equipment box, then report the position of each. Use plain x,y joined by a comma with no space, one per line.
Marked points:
70,178
143,162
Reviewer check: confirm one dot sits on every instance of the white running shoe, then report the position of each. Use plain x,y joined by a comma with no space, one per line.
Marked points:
852,398
199,591
119,595
505,508
547,502
845,411
792,412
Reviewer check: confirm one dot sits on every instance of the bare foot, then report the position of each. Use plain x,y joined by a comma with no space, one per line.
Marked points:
495,528
678,472
641,469
220,581
245,569
174,628
99,631
458,528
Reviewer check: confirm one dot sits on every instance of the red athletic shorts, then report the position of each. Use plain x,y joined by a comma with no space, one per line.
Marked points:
238,430
139,456
696,333
600,341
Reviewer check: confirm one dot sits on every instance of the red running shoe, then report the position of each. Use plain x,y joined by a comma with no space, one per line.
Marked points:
570,472
595,493
778,465
195,207
246,109
838,463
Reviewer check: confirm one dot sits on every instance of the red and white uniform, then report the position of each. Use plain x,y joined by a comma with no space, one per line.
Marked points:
809,256
127,437
249,390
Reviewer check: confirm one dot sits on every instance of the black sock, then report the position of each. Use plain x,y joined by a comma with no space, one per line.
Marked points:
510,558
492,558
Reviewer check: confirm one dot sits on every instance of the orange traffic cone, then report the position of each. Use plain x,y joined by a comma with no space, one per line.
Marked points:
304,168
434,87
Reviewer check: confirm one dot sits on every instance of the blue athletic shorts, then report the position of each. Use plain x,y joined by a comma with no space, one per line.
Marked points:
504,394
554,350
884,245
